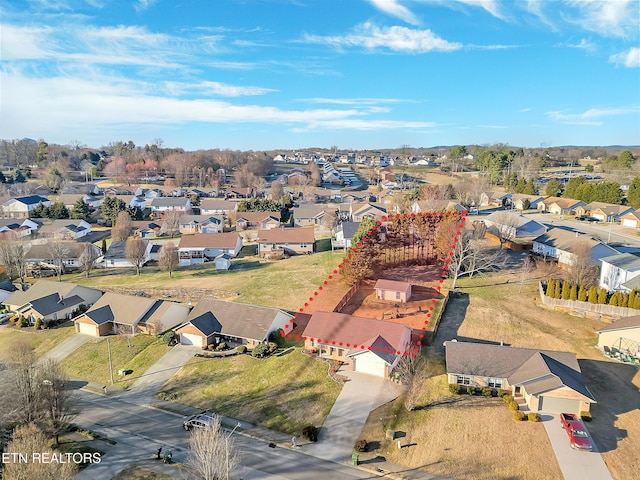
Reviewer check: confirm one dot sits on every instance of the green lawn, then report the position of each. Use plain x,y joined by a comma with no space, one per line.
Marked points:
282,393
91,361
40,340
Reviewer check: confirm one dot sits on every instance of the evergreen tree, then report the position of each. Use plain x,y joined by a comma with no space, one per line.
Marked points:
530,188
636,302
104,246
40,211
558,292
551,288
624,301
614,299
58,211
593,295
565,290
582,294
553,188
602,296
633,194
573,292
521,185
80,210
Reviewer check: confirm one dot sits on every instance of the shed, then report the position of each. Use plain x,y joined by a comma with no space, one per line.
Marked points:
393,290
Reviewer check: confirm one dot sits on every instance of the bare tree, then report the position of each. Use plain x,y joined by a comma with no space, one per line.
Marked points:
126,331
58,402
135,250
171,223
13,253
412,371
277,192
330,221
213,452
168,257
504,225
32,442
21,392
527,266
582,270
59,250
122,229
88,259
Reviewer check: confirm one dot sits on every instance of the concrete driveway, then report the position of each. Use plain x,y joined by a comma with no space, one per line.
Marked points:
150,382
67,347
575,465
360,394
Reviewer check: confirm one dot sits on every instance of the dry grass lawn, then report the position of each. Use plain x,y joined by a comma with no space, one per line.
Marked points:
40,340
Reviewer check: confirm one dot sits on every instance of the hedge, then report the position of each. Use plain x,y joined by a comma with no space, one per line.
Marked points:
561,289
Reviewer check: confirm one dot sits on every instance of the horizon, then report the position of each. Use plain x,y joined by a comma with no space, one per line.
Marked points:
362,75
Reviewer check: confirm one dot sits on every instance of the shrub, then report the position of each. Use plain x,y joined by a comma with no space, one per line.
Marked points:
513,405
507,398
558,292
360,446
624,301
487,391
501,392
277,337
272,347
221,346
573,292
241,349
614,299
310,432
593,295
585,416
22,321
38,324
471,390
551,288
211,346
565,290
260,350
518,416
456,389
14,319
582,294
167,337
533,417
602,296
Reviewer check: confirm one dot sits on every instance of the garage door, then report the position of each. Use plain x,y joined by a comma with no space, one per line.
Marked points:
87,329
629,222
190,339
369,363
559,405
599,216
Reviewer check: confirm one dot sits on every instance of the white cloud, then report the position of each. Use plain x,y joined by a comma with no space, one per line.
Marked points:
400,39
490,6
583,45
590,116
354,101
393,8
208,88
629,58
141,5
611,18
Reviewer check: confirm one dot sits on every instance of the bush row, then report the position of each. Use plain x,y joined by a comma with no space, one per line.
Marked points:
562,289
471,390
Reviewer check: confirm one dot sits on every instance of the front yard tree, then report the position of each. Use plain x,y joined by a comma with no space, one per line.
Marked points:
88,259
59,250
504,226
57,400
21,394
58,210
553,188
122,229
135,251
412,372
168,257
172,222
213,454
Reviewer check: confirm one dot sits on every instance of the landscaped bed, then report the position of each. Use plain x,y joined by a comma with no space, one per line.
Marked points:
283,393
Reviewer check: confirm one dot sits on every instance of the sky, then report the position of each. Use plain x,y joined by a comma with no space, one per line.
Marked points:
289,74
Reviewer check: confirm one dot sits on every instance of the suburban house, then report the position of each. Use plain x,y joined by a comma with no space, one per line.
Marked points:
393,290
606,212
560,206
318,195
6,289
69,200
494,199
631,219
238,192
164,204
65,229
200,224
145,228
366,345
215,321
548,381
510,225
559,243
201,247
259,220
129,314
517,201
288,241
116,256
217,206
359,212
41,255
621,336
344,234
21,206
15,227
49,300
308,215
616,270
428,206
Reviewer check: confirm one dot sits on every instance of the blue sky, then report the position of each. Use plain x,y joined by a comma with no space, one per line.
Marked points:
357,74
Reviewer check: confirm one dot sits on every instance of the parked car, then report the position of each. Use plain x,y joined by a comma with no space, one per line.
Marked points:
200,420
582,218
578,436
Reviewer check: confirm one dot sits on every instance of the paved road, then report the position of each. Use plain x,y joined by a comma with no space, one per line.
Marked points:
575,465
139,431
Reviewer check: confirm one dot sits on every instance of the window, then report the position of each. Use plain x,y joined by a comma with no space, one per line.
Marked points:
463,380
495,382
398,295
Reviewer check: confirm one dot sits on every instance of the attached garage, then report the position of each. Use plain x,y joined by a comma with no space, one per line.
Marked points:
558,405
630,222
87,328
192,339
370,363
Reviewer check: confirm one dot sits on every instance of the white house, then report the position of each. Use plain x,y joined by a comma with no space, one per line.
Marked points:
164,204
67,229
202,247
116,255
21,206
513,225
618,269
559,243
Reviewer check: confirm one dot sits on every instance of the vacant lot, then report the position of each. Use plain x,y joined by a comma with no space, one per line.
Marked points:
40,340
284,284
284,393
91,360
497,310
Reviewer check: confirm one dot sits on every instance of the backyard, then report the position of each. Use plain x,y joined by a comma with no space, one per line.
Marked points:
283,393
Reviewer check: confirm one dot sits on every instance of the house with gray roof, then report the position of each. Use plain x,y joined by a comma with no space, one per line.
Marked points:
67,229
49,300
559,243
506,224
116,256
631,219
130,314
311,214
344,234
201,224
164,204
21,206
214,321
617,270
548,381
40,255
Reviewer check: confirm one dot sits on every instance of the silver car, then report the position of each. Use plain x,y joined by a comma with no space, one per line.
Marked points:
200,420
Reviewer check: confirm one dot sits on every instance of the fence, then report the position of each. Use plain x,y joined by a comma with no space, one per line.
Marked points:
586,309
347,296
430,335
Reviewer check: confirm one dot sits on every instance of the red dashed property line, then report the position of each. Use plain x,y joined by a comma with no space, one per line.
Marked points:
320,288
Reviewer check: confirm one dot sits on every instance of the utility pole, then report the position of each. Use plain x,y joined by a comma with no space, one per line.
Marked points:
110,360
610,227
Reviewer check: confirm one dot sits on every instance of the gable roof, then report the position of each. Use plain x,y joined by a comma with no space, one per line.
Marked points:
608,208
200,220
385,284
311,211
256,217
626,261
209,240
169,202
286,235
41,289
541,370
565,239
54,303
623,323
70,225
234,319
348,229
355,332
43,251
31,199
217,204
117,249
119,308
562,202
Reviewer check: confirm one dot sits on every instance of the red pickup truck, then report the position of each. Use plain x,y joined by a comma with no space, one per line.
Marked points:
578,436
